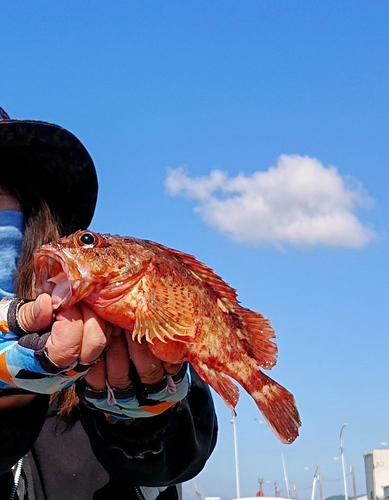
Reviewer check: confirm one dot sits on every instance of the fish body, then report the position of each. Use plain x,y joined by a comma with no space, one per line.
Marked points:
179,305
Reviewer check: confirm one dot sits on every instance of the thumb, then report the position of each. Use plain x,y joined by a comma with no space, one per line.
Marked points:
36,316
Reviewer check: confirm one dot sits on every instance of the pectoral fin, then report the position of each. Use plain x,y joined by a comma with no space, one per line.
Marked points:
167,312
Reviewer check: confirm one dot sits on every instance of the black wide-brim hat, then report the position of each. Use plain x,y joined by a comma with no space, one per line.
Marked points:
54,163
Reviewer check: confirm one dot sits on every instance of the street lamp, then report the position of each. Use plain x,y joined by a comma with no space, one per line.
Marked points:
342,458
236,455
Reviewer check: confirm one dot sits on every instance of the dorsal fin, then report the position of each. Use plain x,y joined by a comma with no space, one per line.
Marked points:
254,327
201,271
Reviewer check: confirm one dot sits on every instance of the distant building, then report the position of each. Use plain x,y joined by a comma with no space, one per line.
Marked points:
377,474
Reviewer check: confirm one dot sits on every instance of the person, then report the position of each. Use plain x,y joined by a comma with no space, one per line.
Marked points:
85,412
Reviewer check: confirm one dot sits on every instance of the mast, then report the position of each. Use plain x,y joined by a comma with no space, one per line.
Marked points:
285,476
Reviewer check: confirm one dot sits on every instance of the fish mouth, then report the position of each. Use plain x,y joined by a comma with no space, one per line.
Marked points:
52,276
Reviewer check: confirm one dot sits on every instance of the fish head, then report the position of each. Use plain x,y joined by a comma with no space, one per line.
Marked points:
86,266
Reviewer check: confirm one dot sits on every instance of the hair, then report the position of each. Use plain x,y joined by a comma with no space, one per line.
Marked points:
41,225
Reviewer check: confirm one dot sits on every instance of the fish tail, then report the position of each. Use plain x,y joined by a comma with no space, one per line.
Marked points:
277,405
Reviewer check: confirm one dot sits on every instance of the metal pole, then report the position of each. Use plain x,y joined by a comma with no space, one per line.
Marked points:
314,484
343,468
285,476
352,472
236,455
320,487
260,481
313,488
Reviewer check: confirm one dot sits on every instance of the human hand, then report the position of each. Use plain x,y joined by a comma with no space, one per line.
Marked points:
48,362
129,381
77,333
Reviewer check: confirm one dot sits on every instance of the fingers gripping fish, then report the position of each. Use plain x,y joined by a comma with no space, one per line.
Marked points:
179,305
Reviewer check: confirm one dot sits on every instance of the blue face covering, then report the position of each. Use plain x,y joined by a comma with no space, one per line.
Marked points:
11,237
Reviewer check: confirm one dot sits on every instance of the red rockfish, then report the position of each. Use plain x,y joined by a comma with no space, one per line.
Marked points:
179,305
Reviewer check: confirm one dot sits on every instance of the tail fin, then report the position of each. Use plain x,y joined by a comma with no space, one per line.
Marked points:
276,404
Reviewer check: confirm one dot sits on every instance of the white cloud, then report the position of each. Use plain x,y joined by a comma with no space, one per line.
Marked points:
297,202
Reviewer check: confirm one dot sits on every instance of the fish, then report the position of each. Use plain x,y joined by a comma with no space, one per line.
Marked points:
184,310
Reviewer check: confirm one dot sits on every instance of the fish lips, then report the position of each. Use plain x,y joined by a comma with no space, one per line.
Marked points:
53,274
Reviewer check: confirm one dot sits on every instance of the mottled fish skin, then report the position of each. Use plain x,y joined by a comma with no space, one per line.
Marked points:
179,305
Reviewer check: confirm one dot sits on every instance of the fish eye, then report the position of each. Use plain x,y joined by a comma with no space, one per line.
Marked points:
88,239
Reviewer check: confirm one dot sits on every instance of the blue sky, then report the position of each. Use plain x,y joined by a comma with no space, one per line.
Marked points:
254,135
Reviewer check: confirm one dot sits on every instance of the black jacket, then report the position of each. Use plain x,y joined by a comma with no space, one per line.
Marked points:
98,460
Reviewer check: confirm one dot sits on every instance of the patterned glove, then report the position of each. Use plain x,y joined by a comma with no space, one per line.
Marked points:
138,400
24,362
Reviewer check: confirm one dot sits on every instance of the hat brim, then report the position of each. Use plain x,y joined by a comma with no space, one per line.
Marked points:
57,166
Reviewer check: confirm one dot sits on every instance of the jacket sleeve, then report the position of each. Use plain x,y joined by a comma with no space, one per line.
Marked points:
166,449
19,430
